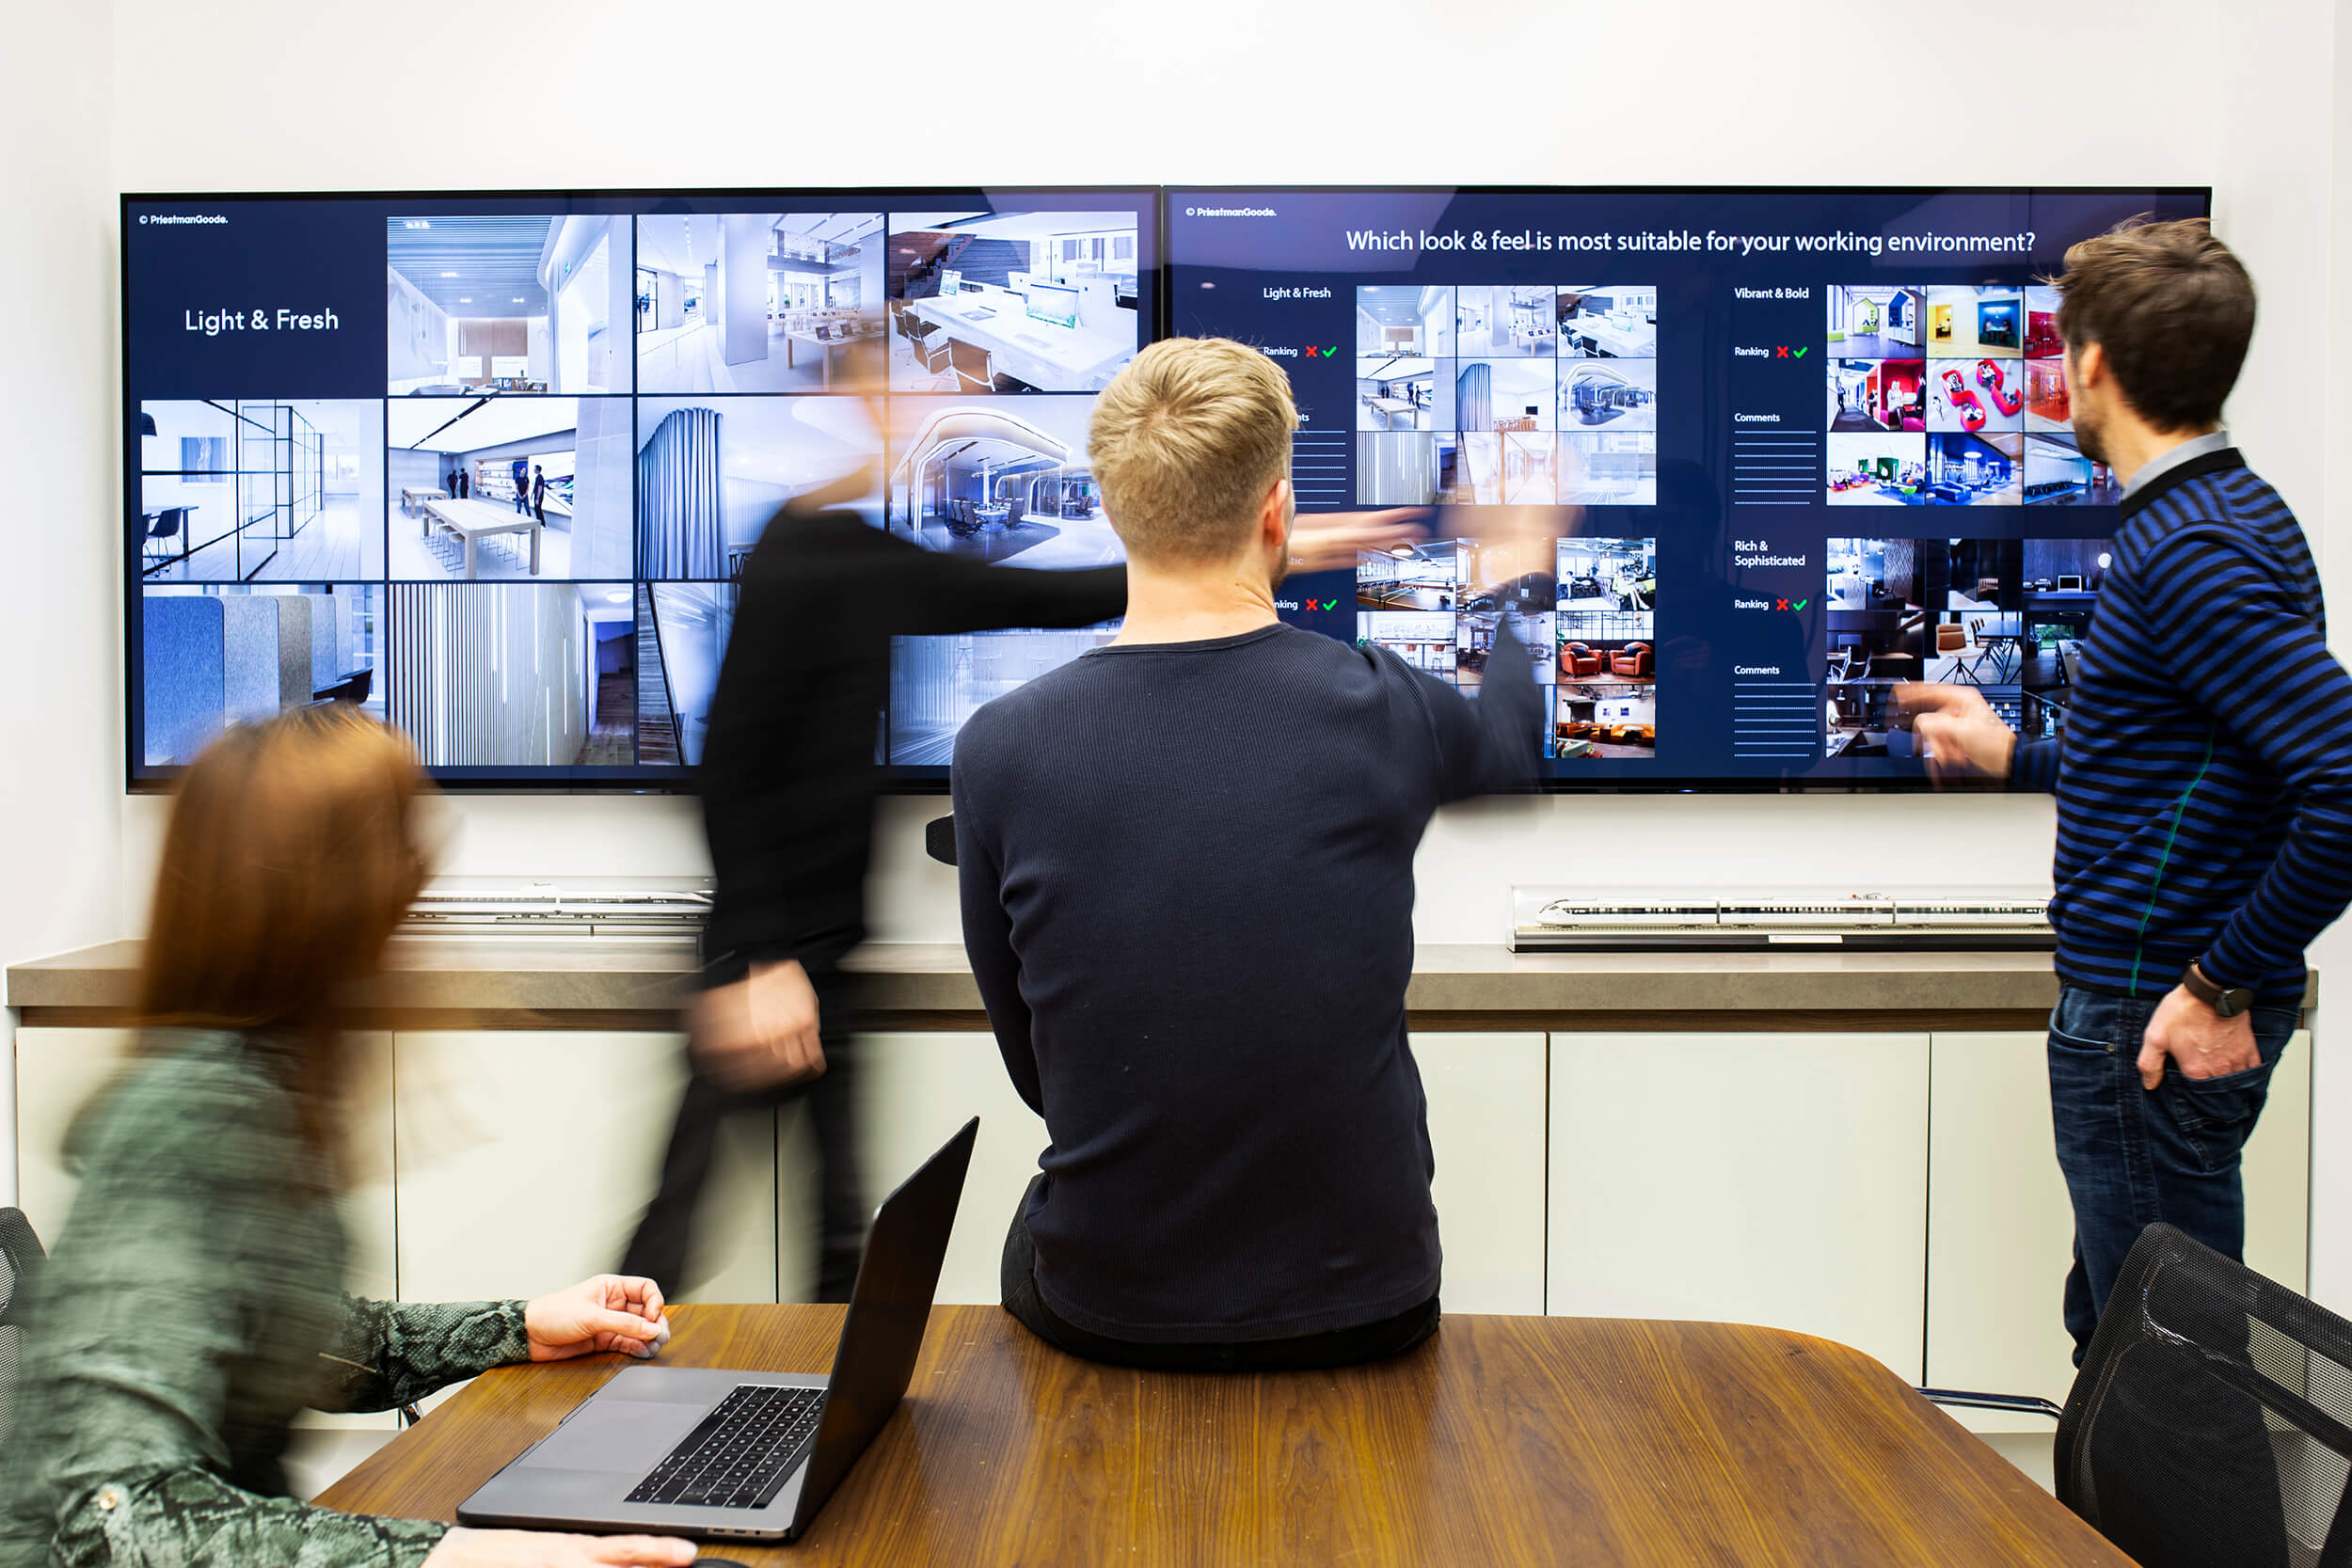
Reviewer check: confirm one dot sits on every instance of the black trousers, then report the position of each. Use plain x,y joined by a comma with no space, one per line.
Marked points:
1343,1347
663,1248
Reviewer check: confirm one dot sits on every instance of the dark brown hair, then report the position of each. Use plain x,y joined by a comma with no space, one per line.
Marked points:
288,863
2172,311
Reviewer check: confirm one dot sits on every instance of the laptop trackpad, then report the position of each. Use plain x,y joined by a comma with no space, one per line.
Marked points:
615,1434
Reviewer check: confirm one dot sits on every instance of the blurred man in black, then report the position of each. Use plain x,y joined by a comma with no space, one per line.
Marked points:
788,781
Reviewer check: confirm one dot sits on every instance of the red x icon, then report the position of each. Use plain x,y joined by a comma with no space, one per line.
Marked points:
1311,349
1783,350
1783,605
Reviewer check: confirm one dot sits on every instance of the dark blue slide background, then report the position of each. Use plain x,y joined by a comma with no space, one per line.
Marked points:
1223,267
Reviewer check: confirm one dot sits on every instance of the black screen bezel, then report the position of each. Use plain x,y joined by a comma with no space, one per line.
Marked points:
1157,200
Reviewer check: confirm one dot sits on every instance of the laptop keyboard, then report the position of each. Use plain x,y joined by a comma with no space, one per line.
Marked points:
741,1453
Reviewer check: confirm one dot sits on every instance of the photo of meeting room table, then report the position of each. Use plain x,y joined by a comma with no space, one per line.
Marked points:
509,487
472,521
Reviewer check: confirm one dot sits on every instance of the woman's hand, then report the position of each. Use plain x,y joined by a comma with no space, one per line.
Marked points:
525,1548
610,1312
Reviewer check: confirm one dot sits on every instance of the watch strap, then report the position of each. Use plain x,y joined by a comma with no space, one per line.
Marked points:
2228,1002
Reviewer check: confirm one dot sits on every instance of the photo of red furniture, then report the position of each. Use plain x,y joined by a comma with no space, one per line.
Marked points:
1955,392
2009,399
1632,661
1576,659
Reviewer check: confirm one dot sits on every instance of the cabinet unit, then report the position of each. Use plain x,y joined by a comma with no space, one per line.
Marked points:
918,1089
525,1158
1774,1179
1486,1135
1486,1127
2001,1233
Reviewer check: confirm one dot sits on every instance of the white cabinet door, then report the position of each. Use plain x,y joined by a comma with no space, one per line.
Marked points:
1760,1177
58,1070
525,1159
2001,1233
918,1089
1485,1098
1486,1124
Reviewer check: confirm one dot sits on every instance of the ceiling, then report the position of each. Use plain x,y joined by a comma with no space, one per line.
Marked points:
472,266
1397,305
469,424
684,244
1010,226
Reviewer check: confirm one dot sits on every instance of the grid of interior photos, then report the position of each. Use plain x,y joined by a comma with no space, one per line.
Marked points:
2004,615
1952,396
1589,631
1503,395
527,555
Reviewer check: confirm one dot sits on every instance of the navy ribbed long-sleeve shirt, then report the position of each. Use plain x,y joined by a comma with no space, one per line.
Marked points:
2204,775
1187,887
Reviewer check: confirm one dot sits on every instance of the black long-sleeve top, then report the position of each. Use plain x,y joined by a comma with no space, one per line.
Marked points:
788,774
1187,886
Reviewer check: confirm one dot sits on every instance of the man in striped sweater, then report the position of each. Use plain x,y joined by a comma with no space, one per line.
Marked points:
2204,777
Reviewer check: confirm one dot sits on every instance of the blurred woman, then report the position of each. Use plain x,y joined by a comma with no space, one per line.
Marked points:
191,1306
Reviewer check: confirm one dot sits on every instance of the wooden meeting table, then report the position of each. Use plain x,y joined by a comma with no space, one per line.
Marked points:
1503,1440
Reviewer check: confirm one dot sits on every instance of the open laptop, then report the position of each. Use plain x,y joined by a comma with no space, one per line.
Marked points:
744,1456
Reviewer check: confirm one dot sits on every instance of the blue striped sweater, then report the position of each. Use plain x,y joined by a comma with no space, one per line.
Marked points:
2204,775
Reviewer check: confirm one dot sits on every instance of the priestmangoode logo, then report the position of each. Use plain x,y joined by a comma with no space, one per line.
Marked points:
184,217
1229,213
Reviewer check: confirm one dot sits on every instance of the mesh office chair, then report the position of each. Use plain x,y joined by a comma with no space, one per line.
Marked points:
20,1260
2209,1423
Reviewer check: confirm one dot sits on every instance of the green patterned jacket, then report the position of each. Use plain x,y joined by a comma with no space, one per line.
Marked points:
190,1307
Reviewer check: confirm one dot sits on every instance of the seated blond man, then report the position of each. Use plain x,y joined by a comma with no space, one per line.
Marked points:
1186,864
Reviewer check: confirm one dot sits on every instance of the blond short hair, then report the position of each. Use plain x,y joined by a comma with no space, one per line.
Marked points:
1185,443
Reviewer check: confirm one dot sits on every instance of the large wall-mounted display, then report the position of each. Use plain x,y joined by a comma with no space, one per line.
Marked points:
491,465
1709,380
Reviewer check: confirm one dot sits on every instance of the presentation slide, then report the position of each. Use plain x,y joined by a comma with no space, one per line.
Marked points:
490,466
1705,382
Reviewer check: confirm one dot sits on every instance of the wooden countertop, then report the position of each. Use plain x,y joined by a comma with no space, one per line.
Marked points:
615,982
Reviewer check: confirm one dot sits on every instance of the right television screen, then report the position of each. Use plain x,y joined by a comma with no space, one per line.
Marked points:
1714,384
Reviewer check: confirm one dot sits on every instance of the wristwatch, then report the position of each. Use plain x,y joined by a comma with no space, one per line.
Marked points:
2229,1001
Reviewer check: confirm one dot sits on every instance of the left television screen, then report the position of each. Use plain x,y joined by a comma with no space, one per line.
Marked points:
489,465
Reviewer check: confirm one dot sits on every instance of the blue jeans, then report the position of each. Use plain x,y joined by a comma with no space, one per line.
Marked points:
2132,1156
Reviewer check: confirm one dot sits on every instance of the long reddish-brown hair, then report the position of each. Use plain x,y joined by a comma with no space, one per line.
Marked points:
291,858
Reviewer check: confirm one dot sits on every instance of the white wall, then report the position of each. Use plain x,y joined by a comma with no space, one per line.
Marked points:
61,626
2163,93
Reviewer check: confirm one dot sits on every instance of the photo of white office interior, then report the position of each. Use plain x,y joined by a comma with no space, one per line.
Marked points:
480,303
1399,393
755,302
1412,320
259,490
1003,479
508,487
1607,321
712,472
682,631
936,683
1011,302
1501,320
218,654
515,674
